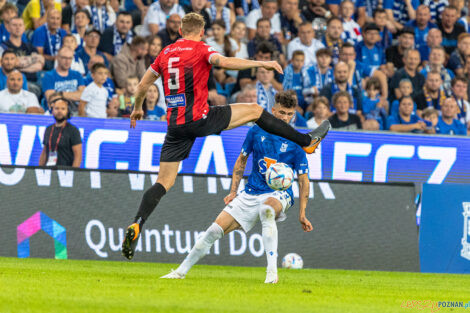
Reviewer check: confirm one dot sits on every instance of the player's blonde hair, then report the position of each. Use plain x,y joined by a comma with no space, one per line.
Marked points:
192,23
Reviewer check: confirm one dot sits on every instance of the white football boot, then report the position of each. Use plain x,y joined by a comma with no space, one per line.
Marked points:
271,277
173,275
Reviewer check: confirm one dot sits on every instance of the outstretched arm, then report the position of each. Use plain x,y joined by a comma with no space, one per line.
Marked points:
304,188
237,176
149,78
242,64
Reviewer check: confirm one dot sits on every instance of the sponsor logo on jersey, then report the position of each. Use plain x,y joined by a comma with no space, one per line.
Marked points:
178,100
284,147
265,163
167,50
262,138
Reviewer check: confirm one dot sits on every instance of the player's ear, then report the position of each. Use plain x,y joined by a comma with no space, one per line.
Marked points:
181,32
201,34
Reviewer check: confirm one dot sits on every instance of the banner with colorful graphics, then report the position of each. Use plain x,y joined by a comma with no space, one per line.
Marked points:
83,214
353,156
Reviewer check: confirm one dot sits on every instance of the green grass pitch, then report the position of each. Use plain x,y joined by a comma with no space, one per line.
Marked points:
40,285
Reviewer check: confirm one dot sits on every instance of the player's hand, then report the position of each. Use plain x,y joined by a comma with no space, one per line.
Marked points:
230,197
135,116
273,65
306,225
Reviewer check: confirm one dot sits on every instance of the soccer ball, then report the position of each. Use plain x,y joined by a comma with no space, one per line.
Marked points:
279,176
292,260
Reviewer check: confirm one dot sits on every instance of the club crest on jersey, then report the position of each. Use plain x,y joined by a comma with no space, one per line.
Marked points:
265,163
178,100
284,147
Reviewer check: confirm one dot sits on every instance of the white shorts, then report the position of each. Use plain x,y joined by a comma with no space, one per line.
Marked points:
245,207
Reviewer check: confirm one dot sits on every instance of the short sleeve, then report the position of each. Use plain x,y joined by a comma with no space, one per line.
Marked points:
251,19
47,82
32,101
153,15
301,163
247,146
38,38
207,52
75,138
391,120
87,95
80,80
155,66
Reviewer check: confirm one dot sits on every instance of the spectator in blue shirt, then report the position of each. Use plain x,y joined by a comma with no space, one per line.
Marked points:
9,62
7,13
406,90
421,25
400,12
318,75
385,26
63,78
447,123
90,49
405,121
433,40
374,108
430,117
340,83
294,75
360,15
368,51
47,39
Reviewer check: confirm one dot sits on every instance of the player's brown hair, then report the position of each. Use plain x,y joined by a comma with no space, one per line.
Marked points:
192,23
287,99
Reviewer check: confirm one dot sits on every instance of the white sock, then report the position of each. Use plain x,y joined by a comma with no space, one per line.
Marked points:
201,247
269,231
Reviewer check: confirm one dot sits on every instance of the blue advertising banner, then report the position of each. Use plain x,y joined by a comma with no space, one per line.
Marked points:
353,156
444,238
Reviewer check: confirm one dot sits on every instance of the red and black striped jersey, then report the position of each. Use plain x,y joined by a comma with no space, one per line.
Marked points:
184,67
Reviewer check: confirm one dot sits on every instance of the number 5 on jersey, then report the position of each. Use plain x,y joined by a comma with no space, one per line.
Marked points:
174,79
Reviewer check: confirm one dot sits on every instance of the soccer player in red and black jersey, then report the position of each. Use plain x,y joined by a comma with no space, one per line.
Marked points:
184,67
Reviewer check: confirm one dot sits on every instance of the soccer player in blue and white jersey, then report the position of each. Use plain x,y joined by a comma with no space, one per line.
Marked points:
258,201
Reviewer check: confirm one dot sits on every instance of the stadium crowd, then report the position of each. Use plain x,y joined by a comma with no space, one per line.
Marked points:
402,66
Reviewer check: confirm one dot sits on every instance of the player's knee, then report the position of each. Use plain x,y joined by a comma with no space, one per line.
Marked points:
266,212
